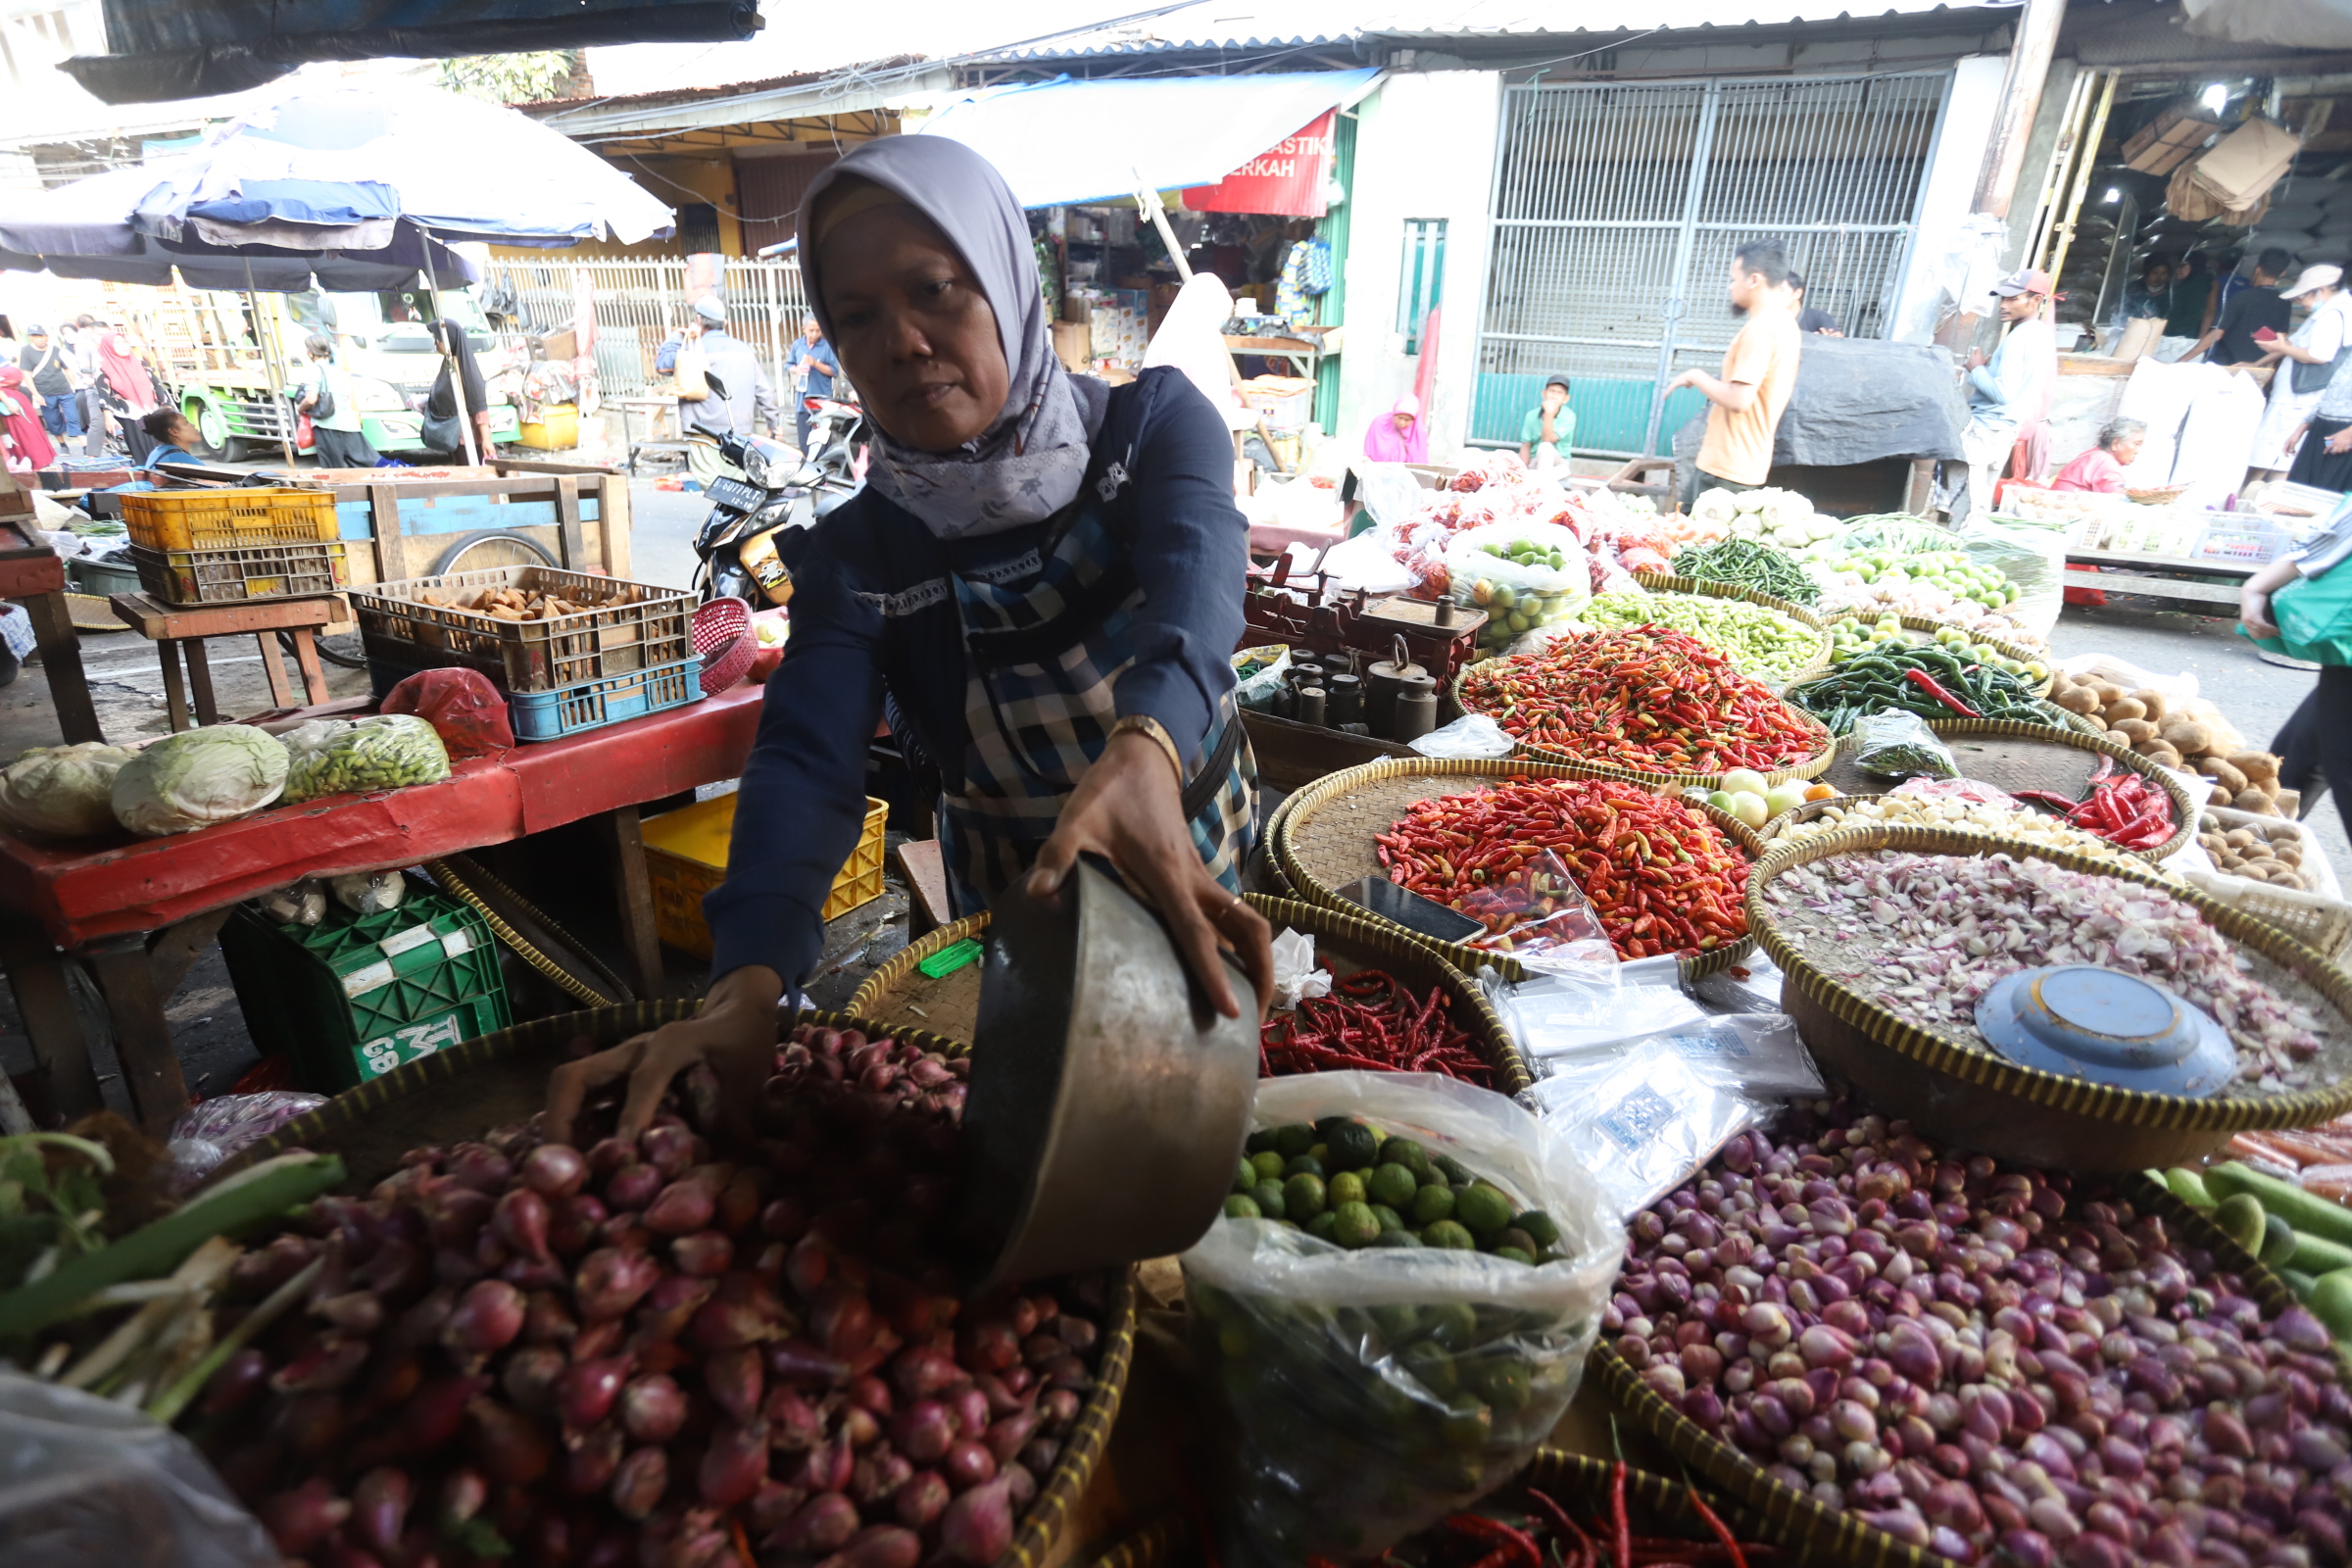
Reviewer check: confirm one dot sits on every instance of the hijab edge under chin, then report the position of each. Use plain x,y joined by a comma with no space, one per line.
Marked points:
1032,460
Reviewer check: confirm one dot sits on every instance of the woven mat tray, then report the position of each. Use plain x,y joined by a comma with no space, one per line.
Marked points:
2005,761
1333,839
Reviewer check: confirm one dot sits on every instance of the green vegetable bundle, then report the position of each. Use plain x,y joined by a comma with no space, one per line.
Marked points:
388,752
1752,564
1759,640
1883,679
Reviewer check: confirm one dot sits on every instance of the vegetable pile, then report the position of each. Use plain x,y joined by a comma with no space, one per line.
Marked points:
2261,852
1983,1361
1852,637
1749,563
1915,678
2191,741
2122,808
62,792
1927,935
1371,1021
2306,1237
1649,698
387,751
652,1353
1661,876
1779,516
1845,592
1949,571
1349,1182
1760,640
198,777
1912,809
1545,1533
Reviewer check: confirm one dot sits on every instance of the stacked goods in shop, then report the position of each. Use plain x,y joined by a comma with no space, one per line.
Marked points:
2144,719
1761,641
1648,700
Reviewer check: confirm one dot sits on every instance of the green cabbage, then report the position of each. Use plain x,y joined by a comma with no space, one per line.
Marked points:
199,777
64,792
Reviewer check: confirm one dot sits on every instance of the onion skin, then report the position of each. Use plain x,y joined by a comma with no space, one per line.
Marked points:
652,1410
555,1170
733,1379
878,1546
590,1388
639,1482
977,1528
302,1518
507,1446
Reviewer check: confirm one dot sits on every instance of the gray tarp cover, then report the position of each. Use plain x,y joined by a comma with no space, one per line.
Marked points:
1858,399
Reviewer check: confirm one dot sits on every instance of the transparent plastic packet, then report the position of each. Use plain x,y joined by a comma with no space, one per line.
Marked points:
208,1132
1361,1395
1758,1054
1752,985
1540,916
1473,737
1899,745
1642,1121
1257,689
388,750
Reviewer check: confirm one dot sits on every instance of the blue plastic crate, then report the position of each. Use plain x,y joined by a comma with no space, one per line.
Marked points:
591,704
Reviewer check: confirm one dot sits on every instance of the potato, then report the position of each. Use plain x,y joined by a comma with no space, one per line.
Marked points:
2253,800
2228,778
2289,879
2152,699
2122,709
2255,765
2080,700
2108,693
2162,754
2138,729
2207,823
2221,797
2237,838
2188,737
2230,862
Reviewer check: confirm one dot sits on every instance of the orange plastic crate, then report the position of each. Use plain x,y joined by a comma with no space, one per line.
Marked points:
228,520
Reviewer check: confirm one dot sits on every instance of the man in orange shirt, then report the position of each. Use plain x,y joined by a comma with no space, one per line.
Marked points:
1759,370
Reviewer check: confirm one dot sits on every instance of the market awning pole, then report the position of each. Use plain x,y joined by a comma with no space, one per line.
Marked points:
1148,202
266,333
449,357
2065,231
2031,44
2059,172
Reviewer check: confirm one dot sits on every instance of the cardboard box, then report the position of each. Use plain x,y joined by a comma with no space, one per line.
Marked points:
1073,344
2166,142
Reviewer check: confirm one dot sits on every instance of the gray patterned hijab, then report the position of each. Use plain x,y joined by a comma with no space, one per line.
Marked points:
1028,464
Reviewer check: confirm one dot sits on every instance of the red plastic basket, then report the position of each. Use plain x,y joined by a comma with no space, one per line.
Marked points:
723,636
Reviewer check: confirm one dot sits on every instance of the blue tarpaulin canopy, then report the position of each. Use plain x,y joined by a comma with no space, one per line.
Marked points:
1063,141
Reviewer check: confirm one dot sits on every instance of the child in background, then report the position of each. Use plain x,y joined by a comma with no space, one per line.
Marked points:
1547,434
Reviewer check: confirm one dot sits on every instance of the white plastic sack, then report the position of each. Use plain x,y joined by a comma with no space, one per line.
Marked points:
1473,736
1366,1394
1389,491
1192,339
1366,561
1296,974
1644,1122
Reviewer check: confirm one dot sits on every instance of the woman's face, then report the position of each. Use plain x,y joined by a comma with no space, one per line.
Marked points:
2127,451
182,434
1403,424
914,329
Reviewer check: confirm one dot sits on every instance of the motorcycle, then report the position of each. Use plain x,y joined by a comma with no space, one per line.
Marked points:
759,525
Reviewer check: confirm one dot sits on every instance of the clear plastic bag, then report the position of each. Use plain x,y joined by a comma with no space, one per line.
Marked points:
1363,1395
1471,737
1641,1122
1565,1014
302,902
1758,1054
1518,595
386,752
368,892
1899,745
86,1481
1752,985
1257,690
1544,921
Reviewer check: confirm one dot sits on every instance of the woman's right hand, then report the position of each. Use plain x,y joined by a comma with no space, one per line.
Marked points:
735,1033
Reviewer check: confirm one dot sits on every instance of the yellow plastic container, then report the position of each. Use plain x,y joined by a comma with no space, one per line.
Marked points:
228,520
686,857
560,432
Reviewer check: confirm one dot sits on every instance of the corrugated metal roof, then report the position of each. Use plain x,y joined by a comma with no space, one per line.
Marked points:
1304,23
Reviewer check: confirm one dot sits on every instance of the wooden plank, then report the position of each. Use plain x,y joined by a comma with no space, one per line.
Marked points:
633,885
200,680
36,977
306,656
571,552
1291,755
612,526
924,864
456,514
142,1033
2236,569
176,695
384,525
61,661
273,665
2116,582
540,465
151,617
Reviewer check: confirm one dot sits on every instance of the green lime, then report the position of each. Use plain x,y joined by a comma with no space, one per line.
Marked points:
1483,1207
1538,1227
1512,1235
1469,1426
1241,1206
1303,1166
1346,1188
1432,1204
1245,1177
1356,1226
1404,1151
1391,1185
1259,1143
1294,1139
1444,1233
1233,1341
1396,1239
1269,1200
1453,1325
1390,1220
1303,1196
1268,1165
1452,1168
1502,1385
1352,1146
1323,1225
1517,1255
1399,1320
1432,1368
1321,1154
1324,1125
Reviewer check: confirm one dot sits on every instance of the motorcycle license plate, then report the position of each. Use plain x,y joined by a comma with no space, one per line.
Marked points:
736,495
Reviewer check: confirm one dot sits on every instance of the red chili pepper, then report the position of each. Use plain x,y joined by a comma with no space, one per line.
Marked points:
1514,1541
1926,683
1625,1535
1723,1532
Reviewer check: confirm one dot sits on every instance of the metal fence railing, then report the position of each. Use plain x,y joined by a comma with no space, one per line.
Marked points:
640,303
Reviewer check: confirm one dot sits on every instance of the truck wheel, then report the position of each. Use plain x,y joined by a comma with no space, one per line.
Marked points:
212,430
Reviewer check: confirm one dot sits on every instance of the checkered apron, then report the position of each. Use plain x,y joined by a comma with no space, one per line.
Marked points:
1049,634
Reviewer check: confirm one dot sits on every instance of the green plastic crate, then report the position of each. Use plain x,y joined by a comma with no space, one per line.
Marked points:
354,996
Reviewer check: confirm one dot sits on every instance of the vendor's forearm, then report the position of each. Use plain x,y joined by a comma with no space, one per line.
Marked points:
2273,577
1735,396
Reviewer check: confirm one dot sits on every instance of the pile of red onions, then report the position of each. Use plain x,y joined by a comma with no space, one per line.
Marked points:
1983,1360
648,1356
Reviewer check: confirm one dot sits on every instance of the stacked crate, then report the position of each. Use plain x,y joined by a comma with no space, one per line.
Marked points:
210,547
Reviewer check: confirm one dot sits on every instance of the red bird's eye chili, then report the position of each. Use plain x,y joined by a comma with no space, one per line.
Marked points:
1646,698
1661,876
1371,1021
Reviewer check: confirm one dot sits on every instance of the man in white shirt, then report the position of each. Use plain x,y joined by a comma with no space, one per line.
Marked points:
2009,392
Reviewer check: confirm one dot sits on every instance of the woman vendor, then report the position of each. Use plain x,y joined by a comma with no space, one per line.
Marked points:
1044,577
2102,469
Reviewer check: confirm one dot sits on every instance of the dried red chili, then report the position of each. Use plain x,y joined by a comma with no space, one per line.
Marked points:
1373,1022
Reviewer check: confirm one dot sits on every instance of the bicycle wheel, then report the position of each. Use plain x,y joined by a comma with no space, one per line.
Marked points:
496,547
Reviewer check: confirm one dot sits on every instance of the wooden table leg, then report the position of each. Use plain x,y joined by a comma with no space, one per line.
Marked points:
37,974
281,691
306,654
176,695
61,661
200,680
134,1003
635,886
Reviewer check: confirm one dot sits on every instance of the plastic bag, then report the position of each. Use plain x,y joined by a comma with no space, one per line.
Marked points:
1296,976
1964,791
1899,745
1389,491
1543,922
84,1479
302,902
1259,689
388,752
1752,985
465,711
1758,1054
1471,736
1518,595
1553,1015
208,1133
1640,1123
1366,1394
2032,556
368,892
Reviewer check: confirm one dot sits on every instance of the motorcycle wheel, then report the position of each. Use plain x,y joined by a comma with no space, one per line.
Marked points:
495,547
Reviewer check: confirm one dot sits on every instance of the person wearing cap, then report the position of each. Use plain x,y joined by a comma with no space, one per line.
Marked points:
47,366
1040,585
2009,391
1547,434
2306,365
749,405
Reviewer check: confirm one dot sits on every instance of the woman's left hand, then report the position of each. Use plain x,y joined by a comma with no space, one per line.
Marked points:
2340,442
1128,809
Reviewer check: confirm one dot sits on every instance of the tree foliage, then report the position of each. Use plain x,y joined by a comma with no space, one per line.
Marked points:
516,79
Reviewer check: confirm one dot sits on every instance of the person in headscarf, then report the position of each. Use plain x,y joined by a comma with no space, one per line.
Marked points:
1042,578
1397,435
338,438
26,440
443,433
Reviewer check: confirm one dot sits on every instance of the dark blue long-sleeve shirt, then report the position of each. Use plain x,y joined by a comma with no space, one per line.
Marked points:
803,795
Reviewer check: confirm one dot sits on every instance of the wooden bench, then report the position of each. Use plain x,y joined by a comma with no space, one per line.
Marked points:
2197,584
178,632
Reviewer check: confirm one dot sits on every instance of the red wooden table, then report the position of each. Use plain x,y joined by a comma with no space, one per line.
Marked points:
137,911
32,572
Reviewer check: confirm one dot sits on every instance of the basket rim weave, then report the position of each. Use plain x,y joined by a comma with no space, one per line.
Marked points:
1058,1490
1469,961
892,970
1815,809
2126,1106
1796,1519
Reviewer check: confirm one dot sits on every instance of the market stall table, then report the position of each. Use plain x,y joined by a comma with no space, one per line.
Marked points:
2197,582
138,912
34,574
178,631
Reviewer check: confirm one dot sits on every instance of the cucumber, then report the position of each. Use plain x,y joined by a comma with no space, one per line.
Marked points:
2308,1213
2330,1302
2300,1283
2189,1187
2242,1219
2317,1256
2278,1241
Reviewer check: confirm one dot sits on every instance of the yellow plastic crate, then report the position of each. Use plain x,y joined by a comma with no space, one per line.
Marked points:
686,857
228,520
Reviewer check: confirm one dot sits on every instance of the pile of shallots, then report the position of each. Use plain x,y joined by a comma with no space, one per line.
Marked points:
1984,1361
652,1356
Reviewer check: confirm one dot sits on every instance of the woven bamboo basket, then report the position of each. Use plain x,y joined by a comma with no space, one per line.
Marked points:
1796,1519
1815,762
1774,833
1332,795
1654,1505
502,1077
1700,587
1965,1095
1351,940
1956,732
2007,650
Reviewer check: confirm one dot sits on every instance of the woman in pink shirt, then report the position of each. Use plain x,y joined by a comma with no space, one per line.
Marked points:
2102,468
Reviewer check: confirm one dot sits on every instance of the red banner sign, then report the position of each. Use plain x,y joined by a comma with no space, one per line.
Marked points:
1287,180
